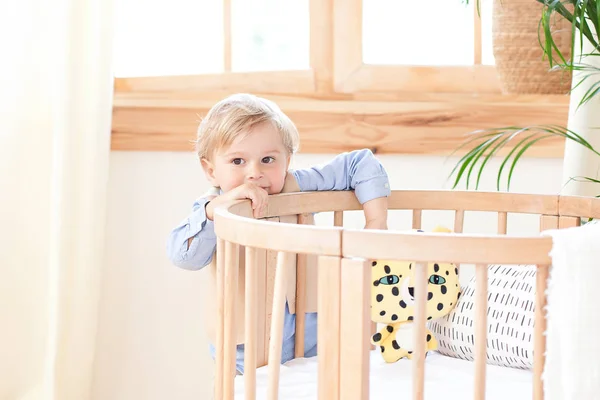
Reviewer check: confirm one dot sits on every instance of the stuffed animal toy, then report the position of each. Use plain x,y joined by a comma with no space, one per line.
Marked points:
393,304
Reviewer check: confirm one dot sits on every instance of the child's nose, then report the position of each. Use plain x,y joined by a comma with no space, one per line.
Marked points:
254,172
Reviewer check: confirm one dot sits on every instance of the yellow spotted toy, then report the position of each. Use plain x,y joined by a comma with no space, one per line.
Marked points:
392,303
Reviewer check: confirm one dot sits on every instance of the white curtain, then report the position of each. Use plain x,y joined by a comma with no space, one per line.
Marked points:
55,118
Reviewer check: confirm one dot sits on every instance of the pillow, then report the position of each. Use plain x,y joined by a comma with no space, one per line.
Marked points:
510,319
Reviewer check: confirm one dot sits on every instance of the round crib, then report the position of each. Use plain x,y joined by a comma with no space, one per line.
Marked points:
277,247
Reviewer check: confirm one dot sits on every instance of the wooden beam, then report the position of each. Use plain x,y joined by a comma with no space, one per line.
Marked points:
321,44
477,37
227,33
347,40
270,82
475,79
387,123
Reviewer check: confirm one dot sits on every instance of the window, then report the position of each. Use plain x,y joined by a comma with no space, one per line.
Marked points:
270,35
398,32
158,38
187,37
349,73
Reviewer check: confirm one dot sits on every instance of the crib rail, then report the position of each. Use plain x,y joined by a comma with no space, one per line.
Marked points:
445,247
343,299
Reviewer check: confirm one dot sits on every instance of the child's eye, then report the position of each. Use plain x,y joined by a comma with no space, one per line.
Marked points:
237,161
268,160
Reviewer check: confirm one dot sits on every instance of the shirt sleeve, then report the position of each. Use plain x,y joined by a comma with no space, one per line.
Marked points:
201,229
357,170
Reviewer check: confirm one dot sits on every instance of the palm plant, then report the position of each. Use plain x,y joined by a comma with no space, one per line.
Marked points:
584,17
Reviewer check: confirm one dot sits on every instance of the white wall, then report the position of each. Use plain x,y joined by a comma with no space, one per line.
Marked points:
151,344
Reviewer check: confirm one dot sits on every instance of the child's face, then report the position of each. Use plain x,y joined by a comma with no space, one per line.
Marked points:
259,157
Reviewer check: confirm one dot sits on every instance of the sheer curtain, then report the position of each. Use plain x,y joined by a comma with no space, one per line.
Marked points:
55,117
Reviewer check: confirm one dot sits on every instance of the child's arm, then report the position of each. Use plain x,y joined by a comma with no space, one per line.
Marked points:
376,213
192,243
357,170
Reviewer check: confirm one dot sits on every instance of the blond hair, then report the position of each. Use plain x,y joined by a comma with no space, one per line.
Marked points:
237,114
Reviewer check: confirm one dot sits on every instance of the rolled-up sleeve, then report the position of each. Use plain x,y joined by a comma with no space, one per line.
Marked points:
357,170
204,242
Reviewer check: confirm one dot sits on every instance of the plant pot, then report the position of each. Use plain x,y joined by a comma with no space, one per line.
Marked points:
578,160
520,60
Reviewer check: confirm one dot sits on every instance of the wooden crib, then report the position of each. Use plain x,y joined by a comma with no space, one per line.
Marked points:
344,299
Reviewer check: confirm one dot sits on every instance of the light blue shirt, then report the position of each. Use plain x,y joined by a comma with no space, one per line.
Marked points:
357,170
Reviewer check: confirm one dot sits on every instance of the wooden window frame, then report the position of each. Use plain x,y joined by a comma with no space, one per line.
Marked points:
352,75
340,103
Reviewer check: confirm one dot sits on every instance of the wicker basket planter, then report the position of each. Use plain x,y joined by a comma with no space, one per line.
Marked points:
519,57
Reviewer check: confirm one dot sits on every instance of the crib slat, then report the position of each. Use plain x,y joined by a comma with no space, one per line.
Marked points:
232,255
548,222
459,220
283,259
417,217
219,347
300,296
262,343
251,323
328,329
338,218
355,325
539,340
481,294
568,222
502,222
419,341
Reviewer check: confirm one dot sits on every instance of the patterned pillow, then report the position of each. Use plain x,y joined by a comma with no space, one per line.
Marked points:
510,318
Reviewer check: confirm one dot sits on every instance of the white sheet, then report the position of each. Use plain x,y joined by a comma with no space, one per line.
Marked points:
572,367
446,378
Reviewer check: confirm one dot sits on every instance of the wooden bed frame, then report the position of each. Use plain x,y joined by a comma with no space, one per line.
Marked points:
345,375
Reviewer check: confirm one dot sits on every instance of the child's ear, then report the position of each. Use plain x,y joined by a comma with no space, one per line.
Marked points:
209,171
289,160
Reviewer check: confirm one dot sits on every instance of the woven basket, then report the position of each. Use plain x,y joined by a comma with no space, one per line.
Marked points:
519,56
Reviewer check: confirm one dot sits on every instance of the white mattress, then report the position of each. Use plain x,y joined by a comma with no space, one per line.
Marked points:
446,378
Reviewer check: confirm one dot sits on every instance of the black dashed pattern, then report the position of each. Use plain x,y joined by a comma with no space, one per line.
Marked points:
511,309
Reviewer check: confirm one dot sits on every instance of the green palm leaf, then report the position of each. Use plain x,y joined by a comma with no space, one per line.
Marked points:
492,140
584,17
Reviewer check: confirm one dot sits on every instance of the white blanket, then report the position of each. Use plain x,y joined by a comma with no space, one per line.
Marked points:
572,370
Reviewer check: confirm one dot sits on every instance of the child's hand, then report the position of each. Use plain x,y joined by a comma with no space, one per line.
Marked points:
257,195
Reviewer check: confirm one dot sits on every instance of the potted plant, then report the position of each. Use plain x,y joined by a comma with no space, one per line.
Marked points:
582,59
